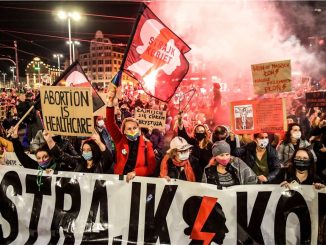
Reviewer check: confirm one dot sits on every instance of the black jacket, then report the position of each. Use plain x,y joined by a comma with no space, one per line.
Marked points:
175,172
248,154
101,166
28,162
203,155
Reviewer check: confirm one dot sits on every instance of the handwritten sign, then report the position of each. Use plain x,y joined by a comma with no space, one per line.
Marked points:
272,77
316,99
254,116
149,118
67,110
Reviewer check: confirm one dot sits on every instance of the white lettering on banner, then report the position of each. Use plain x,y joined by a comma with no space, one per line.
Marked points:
151,210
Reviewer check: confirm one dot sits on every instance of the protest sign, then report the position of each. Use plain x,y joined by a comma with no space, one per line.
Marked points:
272,77
149,118
81,208
316,99
67,110
254,116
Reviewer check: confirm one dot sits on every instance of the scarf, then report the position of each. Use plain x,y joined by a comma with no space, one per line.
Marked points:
190,176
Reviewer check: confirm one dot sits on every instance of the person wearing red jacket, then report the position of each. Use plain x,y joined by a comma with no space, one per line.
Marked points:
134,154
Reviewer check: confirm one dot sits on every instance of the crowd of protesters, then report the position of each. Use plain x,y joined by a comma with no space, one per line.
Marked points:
190,147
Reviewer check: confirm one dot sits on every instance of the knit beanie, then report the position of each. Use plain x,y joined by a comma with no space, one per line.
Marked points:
220,147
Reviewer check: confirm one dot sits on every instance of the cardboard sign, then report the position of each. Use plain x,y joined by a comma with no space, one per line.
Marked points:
255,116
149,118
67,110
316,99
272,77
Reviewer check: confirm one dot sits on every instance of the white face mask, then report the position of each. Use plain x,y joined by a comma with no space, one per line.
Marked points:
262,143
100,123
183,156
296,135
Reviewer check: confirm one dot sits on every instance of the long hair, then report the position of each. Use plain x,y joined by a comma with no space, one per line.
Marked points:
96,152
206,139
312,168
219,130
44,147
287,137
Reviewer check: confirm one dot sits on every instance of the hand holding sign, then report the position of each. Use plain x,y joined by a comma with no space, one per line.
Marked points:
13,132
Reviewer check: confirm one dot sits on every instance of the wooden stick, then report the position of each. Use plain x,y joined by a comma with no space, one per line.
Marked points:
21,120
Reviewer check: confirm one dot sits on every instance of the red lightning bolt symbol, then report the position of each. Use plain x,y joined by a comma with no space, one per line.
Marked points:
205,209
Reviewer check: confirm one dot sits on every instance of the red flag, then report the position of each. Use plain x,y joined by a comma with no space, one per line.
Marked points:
74,76
156,57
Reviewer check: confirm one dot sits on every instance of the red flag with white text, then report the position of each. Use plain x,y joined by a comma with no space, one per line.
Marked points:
156,57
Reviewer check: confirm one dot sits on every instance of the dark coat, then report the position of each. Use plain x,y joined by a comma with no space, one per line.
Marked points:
175,172
203,155
28,162
248,154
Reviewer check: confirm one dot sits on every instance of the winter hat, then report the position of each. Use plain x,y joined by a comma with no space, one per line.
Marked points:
220,147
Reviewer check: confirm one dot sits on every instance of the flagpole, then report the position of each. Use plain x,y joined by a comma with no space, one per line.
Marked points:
140,12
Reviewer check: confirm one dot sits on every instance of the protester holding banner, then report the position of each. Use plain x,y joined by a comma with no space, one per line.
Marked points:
225,170
262,158
134,154
200,141
293,140
302,170
178,163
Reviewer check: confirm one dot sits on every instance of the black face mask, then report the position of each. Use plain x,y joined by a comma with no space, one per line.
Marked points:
301,165
200,136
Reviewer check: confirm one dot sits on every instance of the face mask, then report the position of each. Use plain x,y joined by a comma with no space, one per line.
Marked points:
87,155
183,156
100,123
296,135
262,143
224,161
44,164
301,165
200,136
133,137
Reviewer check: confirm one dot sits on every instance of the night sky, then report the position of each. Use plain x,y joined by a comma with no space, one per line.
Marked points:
40,18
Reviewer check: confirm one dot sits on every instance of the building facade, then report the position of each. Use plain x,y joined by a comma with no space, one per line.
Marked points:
39,73
102,61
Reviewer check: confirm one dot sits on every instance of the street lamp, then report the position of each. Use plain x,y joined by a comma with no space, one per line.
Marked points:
73,43
4,79
58,56
12,69
69,15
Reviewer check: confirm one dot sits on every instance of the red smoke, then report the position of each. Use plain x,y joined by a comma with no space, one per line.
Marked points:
227,37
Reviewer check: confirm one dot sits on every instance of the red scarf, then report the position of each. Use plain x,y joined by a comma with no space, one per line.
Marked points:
190,176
